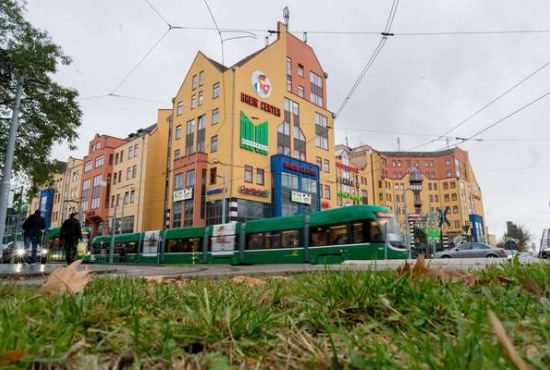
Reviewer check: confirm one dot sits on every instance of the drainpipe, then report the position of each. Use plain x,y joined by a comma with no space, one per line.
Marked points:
138,218
232,138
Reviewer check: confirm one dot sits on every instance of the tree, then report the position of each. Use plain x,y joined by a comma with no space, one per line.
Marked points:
520,234
49,113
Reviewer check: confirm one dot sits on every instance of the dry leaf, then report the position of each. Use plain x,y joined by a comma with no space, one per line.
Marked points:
66,279
505,342
250,281
11,357
446,276
156,279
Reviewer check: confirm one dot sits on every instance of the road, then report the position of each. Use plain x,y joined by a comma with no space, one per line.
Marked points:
36,274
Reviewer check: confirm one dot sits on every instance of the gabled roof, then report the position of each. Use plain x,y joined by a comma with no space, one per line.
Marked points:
219,66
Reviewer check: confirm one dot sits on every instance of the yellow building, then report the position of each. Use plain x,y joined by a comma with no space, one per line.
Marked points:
139,176
262,126
431,180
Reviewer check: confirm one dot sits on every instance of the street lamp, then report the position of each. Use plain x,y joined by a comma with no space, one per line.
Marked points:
222,176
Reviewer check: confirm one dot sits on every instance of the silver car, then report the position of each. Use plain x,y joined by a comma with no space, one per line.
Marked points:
472,250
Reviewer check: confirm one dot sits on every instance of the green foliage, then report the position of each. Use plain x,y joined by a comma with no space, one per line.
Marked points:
50,113
519,234
330,319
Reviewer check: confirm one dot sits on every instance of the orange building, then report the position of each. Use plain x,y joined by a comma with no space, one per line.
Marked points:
96,181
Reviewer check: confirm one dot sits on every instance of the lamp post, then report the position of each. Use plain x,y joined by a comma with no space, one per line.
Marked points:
223,177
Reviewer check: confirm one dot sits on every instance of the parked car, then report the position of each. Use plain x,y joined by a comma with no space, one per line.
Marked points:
544,253
472,250
22,254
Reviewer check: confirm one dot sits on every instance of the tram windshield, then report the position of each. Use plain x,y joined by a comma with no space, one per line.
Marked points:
390,229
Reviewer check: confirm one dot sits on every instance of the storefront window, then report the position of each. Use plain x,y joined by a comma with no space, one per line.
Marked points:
188,213
176,215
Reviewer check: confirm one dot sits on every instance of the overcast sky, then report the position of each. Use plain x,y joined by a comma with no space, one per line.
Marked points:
419,84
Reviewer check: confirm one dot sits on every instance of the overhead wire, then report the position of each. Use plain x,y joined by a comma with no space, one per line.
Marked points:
506,92
374,55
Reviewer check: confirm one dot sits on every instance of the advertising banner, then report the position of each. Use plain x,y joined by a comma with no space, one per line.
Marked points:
298,197
151,243
223,239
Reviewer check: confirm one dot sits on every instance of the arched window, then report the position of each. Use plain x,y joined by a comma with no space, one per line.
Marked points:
299,144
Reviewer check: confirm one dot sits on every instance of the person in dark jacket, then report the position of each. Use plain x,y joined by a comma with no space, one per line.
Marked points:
31,232
70,234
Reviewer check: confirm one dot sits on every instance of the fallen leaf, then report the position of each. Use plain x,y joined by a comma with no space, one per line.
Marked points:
505,342
154,278
67,279
11,357
404,269
529,285
250,281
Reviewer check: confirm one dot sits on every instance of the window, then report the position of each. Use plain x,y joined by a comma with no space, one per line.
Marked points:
321,131
457,224
99,161
178,181
445,186
327,191
136,147
201,98
76,176
216,90
128,173
454,196
176,214
319,162
300,70
179,110
134,171
248,174
453,185
177,154
215,116
316,89
448,173
455,209
213,175
301,92
399,164
214,144
121,156
259,176
88,166
283,138
436,198
132,196
178,132
116,159
447,198
435,186
326,165
190,137
201,133
131,152
288,74
96,192
201,78
193,101
85,194
431,198
114,178
120,176
299,144
430,186
447,161
190,179
194,82
113,201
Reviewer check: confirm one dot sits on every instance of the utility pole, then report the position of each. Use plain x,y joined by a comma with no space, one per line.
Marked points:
6,173
407,231
223,198
113,226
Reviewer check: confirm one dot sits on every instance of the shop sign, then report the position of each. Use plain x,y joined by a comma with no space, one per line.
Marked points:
183,194
223,239
298,197
347,182
347,168
213,191
261,84
325,204
254,137
349,196
255,192
266,107
151,243
300,169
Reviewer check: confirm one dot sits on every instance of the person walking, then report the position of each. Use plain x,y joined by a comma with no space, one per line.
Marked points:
31,232
70,234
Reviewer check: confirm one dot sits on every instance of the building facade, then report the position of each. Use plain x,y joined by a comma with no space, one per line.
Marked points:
138,178
261,127
95,187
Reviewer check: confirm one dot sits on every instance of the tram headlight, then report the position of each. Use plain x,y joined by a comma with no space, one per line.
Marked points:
20,252
44,251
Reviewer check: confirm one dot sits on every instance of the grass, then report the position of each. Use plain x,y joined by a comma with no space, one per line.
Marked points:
307,321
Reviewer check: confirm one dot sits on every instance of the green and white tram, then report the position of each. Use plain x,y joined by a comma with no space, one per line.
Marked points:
361,232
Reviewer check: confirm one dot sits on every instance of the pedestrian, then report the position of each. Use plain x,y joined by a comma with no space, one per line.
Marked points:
31,232
70,234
